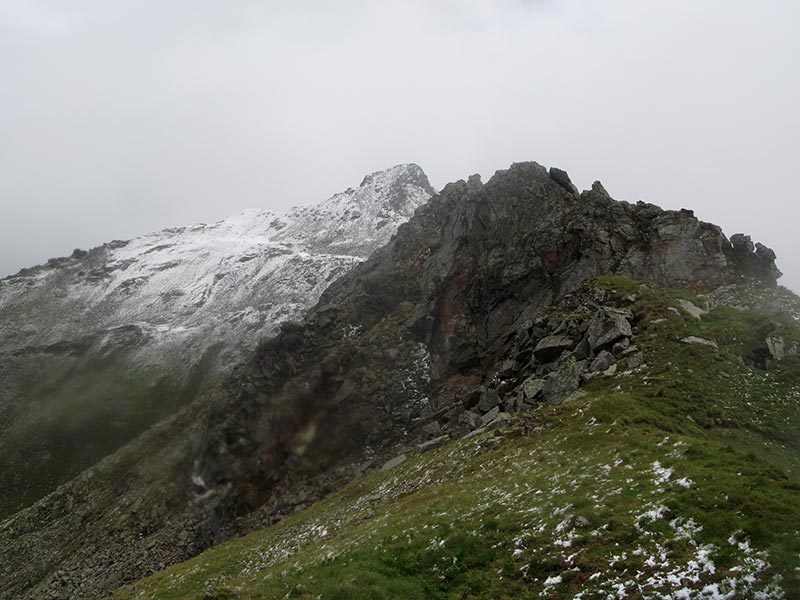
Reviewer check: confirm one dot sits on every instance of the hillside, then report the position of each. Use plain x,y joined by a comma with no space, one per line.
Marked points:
678,478
557,345
98,346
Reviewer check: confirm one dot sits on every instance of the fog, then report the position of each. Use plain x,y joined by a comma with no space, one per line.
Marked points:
120,118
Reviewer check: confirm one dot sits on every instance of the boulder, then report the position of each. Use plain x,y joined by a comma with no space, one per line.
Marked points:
498,421
691,309
582,350
470,419
607,327
431,444
489,399
532,387
691,339
776,347
561,177
490,416
602,362
394,462
551,347
562,382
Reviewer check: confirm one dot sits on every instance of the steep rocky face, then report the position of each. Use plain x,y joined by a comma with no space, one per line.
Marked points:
96,347
463,277
412,343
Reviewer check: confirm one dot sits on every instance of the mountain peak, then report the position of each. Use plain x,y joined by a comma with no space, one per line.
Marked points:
357,221
149,320
402,174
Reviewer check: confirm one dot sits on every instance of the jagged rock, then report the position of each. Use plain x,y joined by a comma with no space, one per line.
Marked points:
489,400
691,339
582,350
610,371
551,347
490,416
499,420
470,419
603,361
691,309
776,347
508,368
532,387
742,244
756,260
600,190
607,327
562,382
562,178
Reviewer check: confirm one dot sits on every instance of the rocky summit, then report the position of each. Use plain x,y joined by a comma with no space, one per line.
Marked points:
528,391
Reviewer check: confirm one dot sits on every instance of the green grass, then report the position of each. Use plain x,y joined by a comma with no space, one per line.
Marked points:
665,470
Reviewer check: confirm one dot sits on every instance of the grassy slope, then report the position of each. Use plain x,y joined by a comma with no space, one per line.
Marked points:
684,475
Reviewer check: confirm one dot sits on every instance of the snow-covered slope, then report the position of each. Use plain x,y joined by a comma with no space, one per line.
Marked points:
79,333
231,280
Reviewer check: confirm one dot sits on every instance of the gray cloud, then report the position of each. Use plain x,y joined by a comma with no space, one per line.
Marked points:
121,118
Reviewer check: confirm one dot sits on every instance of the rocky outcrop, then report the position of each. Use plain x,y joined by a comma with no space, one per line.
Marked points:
441,326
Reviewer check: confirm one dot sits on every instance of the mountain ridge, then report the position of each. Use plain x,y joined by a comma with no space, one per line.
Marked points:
481,308
108,341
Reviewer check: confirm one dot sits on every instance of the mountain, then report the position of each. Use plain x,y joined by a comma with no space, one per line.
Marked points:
98,346
529,391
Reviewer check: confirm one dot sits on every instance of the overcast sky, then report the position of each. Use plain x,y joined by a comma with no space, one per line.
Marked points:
120,117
